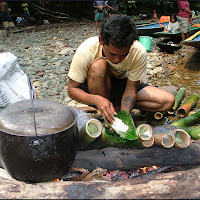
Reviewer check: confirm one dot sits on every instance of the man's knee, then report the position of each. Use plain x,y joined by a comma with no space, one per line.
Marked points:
98,69
169,102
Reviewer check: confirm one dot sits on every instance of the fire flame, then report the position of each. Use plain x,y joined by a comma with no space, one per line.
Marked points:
146,169
57,180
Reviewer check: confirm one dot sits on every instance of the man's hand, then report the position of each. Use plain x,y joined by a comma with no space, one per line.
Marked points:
106,108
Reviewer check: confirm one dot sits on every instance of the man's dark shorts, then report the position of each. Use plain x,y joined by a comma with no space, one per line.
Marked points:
4,17
117,91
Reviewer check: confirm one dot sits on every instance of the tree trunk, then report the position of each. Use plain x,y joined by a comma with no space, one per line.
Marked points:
115,158
173,185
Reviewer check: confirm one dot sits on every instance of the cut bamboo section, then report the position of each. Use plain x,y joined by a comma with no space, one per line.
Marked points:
182,138
89,133
159,115
89,128
186,107
148,143
188,120
178,98
144,132
164,140
193,131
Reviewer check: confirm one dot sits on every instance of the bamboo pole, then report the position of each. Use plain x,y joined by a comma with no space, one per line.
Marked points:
186,107
182,138
188,120
164,140
178,98
193,131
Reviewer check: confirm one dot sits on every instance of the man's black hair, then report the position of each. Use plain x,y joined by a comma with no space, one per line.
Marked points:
118,30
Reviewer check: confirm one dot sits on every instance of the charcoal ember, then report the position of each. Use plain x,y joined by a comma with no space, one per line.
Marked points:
134,174
118,175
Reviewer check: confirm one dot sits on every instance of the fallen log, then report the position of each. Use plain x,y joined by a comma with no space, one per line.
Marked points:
125,159
173,185
119,158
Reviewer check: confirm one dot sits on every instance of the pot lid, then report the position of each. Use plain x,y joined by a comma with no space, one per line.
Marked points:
51,117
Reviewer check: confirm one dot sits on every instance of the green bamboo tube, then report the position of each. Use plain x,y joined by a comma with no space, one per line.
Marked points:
164,140
178,98
193,131
182,138
159,115
186,107
188,120
89,128
89,133
144,132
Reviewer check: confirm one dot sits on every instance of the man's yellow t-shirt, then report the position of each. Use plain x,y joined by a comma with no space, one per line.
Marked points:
25,6
134,66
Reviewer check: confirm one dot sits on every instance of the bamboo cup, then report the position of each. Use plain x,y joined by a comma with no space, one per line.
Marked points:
182,138
164,140
144,132
148,143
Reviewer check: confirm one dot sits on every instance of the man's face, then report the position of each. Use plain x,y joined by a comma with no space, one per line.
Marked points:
113,54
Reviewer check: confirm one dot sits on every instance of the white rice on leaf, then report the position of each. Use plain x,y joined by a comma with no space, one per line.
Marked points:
118,125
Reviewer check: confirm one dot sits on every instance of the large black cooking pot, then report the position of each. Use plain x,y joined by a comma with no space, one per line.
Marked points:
46,157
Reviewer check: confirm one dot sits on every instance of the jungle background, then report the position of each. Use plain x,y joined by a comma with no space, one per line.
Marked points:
63,10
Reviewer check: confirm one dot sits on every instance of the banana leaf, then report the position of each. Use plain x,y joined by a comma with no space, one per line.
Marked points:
112,139
126,118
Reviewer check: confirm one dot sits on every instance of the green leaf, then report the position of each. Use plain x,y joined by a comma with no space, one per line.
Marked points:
111,138
126,118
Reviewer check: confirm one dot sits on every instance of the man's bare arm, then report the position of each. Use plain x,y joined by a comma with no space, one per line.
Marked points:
129,96
103,105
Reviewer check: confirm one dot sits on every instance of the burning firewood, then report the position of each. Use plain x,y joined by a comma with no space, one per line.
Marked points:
95,174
